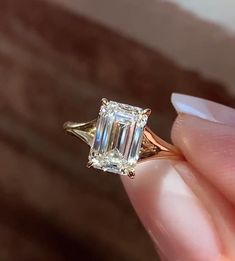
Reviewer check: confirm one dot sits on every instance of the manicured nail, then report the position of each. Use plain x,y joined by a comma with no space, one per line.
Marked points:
171,213
204,109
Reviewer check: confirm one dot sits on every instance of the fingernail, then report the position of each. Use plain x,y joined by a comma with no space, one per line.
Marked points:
171,213
204,109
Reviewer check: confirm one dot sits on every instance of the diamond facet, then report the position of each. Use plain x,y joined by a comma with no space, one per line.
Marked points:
118,138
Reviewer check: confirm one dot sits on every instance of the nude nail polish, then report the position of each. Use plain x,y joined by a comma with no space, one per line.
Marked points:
204,109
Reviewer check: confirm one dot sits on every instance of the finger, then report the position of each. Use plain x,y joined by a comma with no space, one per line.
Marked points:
221,211
172,213
208,143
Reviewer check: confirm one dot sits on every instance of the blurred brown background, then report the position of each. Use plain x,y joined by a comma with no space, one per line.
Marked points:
55,65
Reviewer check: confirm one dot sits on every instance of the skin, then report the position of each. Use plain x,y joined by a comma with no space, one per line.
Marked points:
188,207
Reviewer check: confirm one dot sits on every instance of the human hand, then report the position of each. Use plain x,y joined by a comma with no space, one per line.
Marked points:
188,208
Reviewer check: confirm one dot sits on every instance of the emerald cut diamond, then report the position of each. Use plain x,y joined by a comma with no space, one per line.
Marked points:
119,133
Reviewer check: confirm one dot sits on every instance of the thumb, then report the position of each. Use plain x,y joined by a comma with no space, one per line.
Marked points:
175,218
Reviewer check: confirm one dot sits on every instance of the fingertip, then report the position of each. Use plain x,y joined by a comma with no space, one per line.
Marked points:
210,148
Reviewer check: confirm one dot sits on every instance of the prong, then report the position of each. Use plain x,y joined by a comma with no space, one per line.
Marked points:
89,164
131,174
104,101
147,111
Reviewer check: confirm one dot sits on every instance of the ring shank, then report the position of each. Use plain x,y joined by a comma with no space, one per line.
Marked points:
153,147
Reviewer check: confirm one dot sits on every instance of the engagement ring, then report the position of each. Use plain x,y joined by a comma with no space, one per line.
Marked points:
119,139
